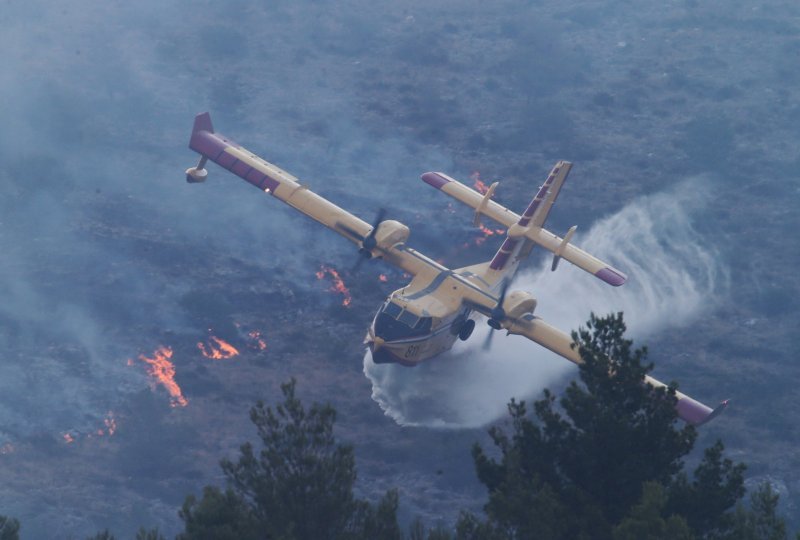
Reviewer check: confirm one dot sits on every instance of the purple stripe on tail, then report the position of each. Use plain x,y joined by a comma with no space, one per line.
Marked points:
501,257
612,276
435,179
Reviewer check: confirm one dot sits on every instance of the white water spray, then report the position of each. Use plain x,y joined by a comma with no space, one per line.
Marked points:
673,274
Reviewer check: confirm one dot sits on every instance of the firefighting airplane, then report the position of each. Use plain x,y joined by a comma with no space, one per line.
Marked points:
424,318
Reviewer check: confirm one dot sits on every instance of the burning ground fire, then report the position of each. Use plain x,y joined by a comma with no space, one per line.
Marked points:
477,183
256,341
482,188
162,371
487,232
338,285
108,429
217,348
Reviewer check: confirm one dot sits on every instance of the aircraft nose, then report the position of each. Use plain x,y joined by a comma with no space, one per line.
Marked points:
376,343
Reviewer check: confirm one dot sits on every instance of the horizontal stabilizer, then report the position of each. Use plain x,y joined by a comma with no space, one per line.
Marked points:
471,198
528,226
576,256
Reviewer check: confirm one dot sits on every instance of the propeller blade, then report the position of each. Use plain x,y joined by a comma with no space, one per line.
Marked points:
359,261
497,314
368,242
487,343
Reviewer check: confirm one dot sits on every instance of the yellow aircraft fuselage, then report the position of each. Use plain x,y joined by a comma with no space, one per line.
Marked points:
424,318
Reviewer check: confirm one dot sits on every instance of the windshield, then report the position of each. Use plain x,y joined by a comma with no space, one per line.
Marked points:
391,329
392,309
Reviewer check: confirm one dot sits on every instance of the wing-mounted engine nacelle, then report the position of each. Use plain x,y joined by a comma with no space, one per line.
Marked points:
390,233
519,303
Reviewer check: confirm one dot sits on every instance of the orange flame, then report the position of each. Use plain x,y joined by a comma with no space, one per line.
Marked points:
478,184
382,278
162,371
491,232
111,423
338,285
217,348
256,341
486,232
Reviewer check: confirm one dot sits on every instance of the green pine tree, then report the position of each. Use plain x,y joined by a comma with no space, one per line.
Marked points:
578,467
297,485
646,522
761,520
9,528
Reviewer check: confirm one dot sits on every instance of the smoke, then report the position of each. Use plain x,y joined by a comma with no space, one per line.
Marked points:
102,239
674,274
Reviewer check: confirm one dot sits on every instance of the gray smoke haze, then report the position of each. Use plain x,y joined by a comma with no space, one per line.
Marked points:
106,253
674,275
96,120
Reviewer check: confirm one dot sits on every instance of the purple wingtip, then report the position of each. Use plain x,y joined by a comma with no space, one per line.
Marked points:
435,179
612,276
697,414
202,122
716,412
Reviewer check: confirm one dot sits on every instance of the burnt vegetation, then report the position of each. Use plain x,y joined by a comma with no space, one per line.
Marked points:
606,460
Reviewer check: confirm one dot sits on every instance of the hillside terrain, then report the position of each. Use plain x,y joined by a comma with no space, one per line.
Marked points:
109,255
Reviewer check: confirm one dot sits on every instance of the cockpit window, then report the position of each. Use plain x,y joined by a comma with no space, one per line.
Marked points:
424,324
392,309
409,319
391,329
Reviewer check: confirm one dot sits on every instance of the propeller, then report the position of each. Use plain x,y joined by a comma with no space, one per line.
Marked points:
368,243
497,314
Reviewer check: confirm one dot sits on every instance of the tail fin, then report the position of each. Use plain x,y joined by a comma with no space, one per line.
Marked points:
539,208
517,248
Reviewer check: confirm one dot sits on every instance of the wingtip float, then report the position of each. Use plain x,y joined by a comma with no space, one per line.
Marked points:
424,318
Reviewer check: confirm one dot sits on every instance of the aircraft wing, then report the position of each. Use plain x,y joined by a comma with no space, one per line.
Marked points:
529,226
285,187
483,204
549,337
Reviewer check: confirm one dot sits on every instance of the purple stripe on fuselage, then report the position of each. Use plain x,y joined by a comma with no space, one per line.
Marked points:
611,276
435,179
540,195
499,260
